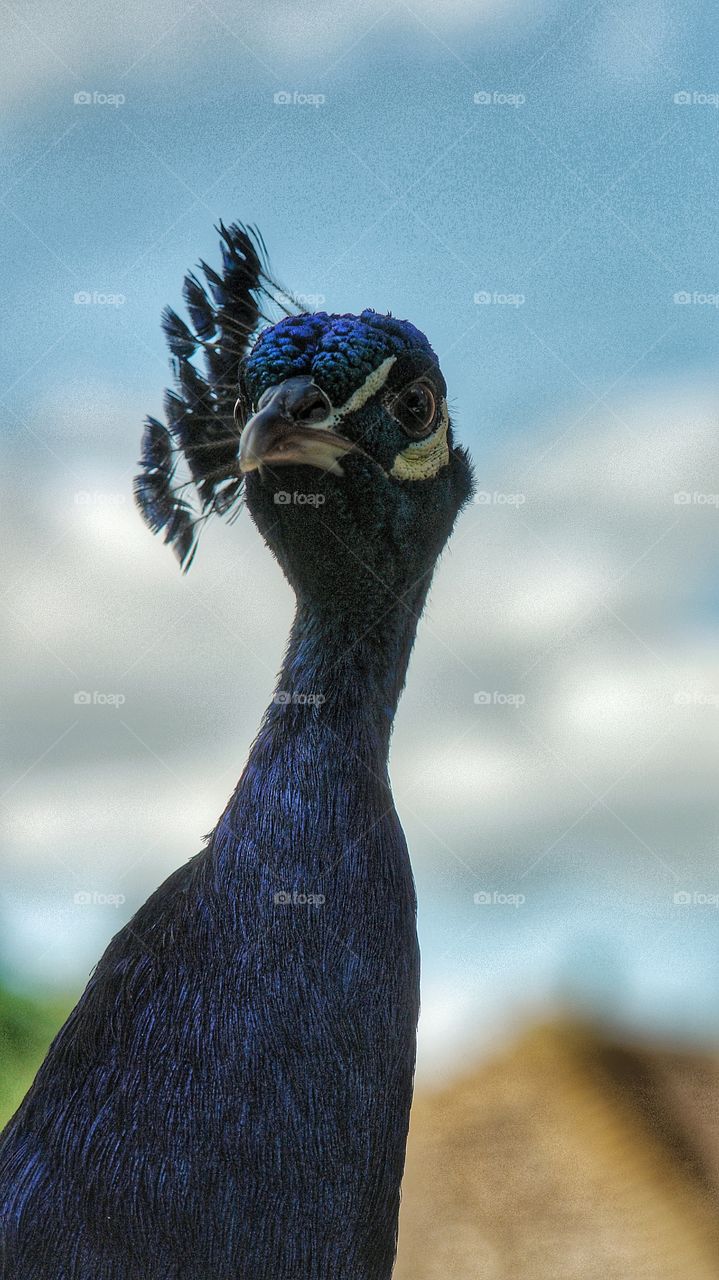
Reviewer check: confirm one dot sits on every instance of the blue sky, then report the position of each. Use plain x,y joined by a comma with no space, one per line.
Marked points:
577,202
594,199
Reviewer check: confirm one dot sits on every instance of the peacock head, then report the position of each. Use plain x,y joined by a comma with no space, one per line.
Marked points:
351,471
340,440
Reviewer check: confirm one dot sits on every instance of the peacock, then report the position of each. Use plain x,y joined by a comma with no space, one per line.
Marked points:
230,1098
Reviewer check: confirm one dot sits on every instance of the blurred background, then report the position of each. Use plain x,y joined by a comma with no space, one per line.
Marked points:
534,184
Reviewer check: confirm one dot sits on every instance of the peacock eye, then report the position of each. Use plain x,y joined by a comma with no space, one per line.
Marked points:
311,406
415,408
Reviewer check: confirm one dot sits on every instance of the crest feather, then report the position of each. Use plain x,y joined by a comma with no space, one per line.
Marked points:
201,435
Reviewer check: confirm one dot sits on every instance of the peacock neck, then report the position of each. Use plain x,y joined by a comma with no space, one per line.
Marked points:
320,757
345,679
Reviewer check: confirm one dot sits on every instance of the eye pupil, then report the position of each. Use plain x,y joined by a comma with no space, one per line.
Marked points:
313,409
414,409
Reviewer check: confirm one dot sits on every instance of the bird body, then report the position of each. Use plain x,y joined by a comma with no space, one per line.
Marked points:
214,1105
230,1098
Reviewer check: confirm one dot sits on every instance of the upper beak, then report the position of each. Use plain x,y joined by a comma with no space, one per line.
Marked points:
273,436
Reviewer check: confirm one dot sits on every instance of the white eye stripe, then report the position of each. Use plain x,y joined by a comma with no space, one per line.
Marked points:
371,385
421,459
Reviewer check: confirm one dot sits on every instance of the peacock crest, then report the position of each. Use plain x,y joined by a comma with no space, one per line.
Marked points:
201,434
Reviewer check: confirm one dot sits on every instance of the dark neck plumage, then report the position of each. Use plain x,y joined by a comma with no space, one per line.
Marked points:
350,675
327,730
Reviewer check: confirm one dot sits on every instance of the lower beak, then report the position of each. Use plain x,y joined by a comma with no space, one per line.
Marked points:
270,440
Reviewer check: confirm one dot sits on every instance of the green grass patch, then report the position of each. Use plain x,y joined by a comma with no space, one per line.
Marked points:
27,1025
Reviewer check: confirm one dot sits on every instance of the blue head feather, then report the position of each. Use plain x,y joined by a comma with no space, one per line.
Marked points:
339,351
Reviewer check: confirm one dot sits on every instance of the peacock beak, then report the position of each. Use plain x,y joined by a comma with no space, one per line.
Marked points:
288,428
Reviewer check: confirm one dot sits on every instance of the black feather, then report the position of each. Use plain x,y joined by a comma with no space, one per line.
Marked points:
181,341
201,433
156,494
156,447
175,409
200,309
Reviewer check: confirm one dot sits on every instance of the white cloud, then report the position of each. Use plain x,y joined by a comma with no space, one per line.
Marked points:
106,49
634,44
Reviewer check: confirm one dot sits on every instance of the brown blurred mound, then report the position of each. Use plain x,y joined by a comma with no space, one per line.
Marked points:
571,1157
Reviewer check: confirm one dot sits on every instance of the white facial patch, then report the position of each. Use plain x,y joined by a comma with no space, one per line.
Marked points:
422,459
